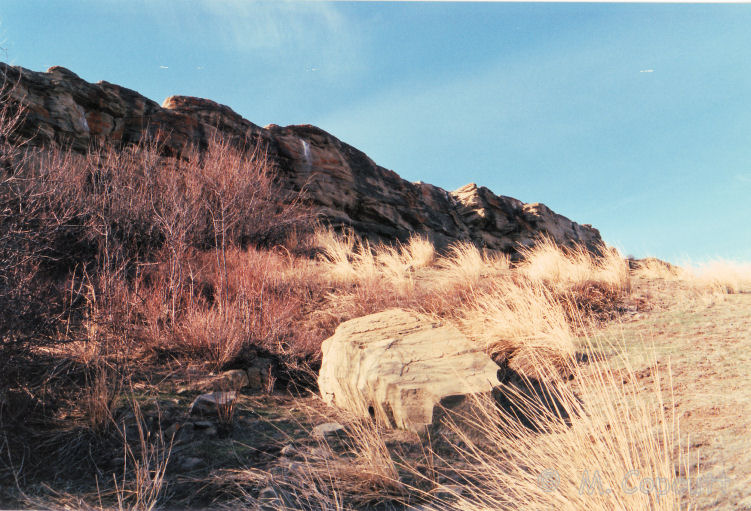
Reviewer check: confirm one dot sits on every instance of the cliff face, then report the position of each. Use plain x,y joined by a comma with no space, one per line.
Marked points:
344,183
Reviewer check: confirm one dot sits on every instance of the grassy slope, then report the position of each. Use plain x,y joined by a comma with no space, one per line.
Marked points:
706,346
132,276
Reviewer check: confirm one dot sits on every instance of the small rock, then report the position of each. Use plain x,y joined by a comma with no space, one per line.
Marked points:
209,404
289,451
171,431
202,424
190,463
259,373
448,491
271,499
322,453
212,431
255,378
184,433
235,379
328,429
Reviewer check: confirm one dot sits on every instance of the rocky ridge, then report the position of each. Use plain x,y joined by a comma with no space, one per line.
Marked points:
347,187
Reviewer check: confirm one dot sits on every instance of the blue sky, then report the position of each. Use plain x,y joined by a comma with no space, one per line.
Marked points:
635,118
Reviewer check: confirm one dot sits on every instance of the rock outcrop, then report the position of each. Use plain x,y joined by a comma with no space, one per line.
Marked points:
402,367
348,188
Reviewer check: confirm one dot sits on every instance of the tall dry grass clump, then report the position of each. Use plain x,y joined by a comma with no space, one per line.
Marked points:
724,276
601,441
521,319
365,474
568,267
465,265
348,259
716,277
653,268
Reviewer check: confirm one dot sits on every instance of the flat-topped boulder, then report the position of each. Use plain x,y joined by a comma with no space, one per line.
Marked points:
402,367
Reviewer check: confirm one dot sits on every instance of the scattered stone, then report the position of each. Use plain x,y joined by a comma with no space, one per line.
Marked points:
202,424
209,404
191,463
398,366
259,373
289,451
235,379
271,499
171,431
328,429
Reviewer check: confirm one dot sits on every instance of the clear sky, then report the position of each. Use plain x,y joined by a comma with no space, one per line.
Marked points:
635,118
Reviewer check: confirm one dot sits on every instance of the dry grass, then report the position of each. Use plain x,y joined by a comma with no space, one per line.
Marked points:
366,474
510,311
722,275
465,265
570,267
592,450
142,484
350,260
652,268
585,443
520,319
706,282
133,259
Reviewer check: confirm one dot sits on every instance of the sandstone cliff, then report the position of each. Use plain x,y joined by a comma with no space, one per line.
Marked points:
347,187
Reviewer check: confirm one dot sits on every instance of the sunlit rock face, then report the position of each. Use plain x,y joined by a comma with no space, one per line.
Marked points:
402,368
346,186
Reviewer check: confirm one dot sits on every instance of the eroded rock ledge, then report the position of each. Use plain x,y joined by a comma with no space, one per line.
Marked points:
345,184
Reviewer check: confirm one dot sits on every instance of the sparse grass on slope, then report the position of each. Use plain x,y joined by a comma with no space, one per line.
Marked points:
123,266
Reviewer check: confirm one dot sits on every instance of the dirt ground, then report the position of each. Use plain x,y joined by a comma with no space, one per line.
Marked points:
703,350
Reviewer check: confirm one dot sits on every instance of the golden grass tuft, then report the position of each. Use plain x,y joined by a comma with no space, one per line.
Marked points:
725,276
712,278
569,267
592,450
465,265
518,318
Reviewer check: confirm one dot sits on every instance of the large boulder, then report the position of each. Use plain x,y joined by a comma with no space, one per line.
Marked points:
403,368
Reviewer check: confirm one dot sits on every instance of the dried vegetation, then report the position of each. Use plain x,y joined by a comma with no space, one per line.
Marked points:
119,268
